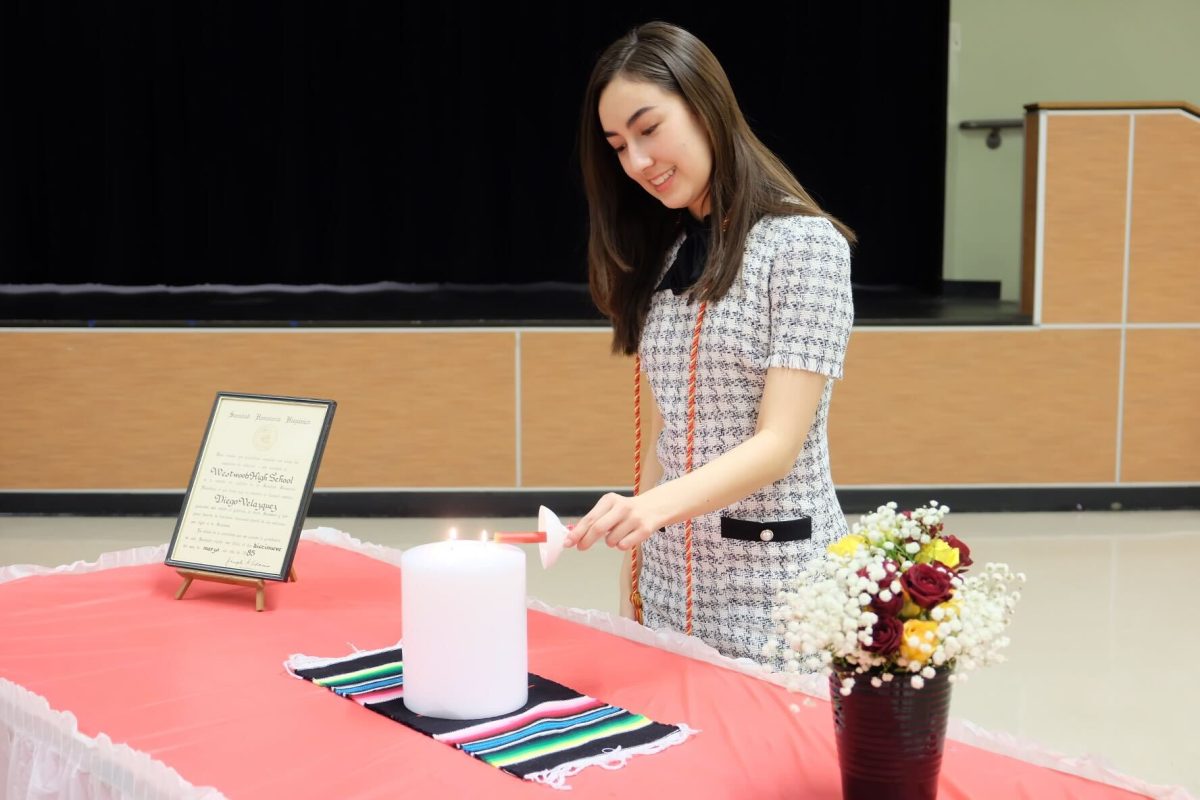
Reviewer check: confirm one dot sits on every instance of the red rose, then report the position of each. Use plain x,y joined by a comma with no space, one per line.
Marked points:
926,585
940,567
964,552
889,569
891,608
886,635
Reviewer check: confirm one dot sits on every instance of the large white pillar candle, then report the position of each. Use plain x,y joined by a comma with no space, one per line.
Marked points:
463,623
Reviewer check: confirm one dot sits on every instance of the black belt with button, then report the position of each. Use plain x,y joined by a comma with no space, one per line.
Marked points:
790,530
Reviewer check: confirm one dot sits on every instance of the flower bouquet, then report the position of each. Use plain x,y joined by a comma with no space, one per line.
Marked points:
892,617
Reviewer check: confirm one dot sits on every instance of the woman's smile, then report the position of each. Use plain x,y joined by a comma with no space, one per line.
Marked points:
663,181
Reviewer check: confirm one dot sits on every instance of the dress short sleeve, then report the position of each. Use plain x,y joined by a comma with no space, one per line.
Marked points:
812,308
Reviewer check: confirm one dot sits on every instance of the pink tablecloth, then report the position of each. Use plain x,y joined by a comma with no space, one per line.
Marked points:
199,685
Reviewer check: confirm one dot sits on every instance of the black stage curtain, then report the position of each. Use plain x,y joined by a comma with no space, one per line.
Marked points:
426,143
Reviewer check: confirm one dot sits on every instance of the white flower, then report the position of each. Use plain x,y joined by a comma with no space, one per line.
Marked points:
918,682
823,619
876,682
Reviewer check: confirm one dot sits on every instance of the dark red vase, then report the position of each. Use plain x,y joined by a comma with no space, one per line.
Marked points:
890,738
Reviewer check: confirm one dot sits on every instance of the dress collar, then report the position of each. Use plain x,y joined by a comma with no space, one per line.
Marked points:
690,259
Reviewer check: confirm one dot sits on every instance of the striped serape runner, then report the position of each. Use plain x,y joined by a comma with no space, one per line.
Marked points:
555,735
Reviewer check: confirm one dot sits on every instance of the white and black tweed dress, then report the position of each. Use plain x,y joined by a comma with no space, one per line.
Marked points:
790,306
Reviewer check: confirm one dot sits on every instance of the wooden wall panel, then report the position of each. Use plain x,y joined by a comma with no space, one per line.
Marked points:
1161,440
576,410
107,409
1087,160
940,408
1164,256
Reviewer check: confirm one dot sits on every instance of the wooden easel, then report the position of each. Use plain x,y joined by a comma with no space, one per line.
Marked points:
259,586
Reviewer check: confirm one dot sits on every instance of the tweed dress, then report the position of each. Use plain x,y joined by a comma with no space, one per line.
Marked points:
790,306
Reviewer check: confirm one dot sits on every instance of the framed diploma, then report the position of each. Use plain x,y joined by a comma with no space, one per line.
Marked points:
249,492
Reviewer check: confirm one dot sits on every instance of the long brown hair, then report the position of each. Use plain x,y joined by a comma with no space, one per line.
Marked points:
630,231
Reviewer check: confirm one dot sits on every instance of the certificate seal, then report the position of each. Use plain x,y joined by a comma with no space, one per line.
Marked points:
265,437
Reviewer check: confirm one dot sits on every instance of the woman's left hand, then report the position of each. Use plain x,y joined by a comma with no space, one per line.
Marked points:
621,522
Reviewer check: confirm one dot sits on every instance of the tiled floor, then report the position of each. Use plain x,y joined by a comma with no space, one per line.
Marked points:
1104,650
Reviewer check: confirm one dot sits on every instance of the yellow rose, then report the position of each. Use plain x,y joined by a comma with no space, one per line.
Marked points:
909,609
938,550
847,545
951,608
916,633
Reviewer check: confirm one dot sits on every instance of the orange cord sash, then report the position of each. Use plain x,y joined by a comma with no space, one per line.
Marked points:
635,596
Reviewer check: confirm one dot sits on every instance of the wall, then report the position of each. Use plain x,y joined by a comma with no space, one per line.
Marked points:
1016,52
1101,391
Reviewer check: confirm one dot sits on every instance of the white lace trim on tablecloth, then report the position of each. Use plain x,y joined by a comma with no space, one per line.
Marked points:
43,755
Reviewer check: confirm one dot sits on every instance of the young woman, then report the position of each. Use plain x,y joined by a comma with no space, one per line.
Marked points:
728,281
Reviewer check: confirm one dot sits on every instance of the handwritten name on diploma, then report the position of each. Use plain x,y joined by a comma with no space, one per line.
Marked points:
290,420
246,502
248,563
253,475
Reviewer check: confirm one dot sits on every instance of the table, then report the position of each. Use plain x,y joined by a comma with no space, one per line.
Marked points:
199,685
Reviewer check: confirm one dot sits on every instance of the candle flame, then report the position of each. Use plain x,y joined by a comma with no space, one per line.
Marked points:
454,533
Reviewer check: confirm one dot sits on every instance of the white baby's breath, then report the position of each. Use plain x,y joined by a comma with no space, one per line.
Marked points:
827,619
